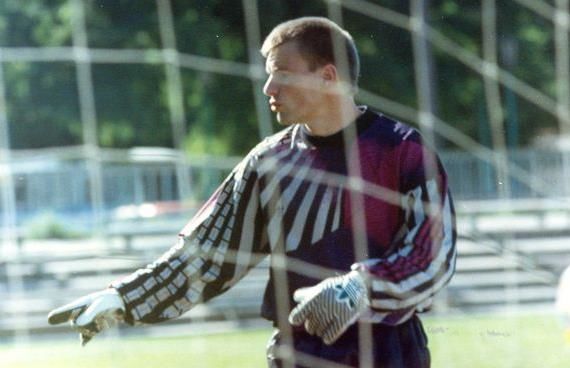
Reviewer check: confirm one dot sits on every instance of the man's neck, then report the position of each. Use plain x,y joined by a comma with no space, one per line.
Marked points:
333,120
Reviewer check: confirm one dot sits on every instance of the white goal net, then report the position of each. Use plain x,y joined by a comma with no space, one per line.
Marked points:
491,93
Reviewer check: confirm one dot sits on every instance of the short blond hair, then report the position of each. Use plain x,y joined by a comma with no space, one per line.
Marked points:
317,39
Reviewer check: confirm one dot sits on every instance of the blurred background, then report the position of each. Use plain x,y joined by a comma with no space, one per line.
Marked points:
118,118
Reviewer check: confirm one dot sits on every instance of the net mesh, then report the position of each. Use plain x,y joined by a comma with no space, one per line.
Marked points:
507,199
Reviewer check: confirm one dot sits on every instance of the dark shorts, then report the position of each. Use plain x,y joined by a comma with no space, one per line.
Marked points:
404,345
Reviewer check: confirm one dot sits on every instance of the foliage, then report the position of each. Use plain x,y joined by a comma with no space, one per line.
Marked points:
49,226
132,100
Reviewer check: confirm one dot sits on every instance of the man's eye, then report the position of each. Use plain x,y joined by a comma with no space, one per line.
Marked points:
282,77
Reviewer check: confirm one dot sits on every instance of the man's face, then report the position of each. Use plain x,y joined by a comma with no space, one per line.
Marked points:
293,89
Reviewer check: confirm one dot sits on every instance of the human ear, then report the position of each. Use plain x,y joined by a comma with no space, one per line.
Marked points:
329,73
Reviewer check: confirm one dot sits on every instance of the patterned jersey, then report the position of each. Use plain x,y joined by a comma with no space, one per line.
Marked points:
370,197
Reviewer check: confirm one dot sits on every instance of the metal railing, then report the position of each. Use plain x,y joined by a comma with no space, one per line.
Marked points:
532,173
58,182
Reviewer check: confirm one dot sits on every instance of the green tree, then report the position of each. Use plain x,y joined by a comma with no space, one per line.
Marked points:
132,99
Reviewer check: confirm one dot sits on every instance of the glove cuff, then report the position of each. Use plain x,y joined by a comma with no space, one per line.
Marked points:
117,298
361,277
357,286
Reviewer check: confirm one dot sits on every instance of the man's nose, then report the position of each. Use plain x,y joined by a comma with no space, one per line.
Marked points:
270,88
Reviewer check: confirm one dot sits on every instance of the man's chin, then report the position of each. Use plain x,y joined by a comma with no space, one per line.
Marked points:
283,120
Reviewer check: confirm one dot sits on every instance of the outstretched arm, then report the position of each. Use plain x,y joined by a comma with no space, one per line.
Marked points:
215,250
217,247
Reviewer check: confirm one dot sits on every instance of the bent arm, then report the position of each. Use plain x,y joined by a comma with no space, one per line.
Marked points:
423,260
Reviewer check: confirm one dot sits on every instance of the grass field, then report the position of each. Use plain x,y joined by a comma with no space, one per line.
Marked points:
528,341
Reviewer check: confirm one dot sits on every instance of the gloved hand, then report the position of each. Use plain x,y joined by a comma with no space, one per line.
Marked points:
330,307
90,314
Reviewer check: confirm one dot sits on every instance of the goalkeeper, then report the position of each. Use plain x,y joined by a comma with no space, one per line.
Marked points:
350,205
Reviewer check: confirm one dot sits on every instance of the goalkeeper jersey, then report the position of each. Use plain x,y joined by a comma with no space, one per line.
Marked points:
371,197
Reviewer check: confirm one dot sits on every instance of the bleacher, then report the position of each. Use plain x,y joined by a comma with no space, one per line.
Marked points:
506,258
46,274
510,254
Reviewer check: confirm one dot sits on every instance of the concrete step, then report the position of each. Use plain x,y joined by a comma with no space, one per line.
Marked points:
499,278
469,248
542,246
503,295
485,264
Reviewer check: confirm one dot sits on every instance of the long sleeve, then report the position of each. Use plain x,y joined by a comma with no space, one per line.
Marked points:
422,260
216,248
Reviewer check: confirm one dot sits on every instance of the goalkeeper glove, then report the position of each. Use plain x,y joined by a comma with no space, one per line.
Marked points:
90,314
330,307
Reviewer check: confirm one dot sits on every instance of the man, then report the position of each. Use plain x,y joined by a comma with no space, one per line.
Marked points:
352,207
